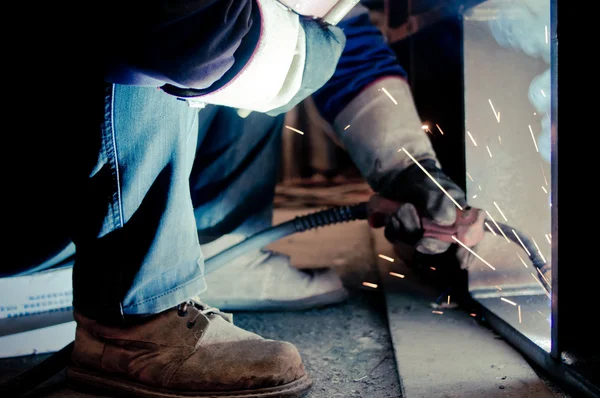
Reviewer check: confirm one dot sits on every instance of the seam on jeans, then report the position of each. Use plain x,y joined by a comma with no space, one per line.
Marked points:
164,294
116,156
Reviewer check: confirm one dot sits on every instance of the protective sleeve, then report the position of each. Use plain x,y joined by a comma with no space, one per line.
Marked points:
186,43
366,58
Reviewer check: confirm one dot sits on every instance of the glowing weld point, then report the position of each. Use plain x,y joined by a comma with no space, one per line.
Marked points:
369,284
391,260
396,275
498,287
521,242
540,283
469,175
501,213
471,137
437,312
497,226
544,189
432,179
473,253
488,149
508,301
490,228
439,128
425,127
347,127
523,261
296,130
546,33
519,307
548,238
389,95
543,93
533,138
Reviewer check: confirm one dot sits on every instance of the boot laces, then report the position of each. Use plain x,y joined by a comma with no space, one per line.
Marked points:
203,309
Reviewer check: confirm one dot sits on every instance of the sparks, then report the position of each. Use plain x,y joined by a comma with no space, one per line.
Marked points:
432,179
296,130
500,139
543,93
473,314
479,186
469,175
488,149
523,261
439,128
501,213
425,127
546,33
497,226
548,238
347,127
498,117
433,268
544,174
508,301
396,275
473,253
549,234
533,138
472,139
498,287
544,189
391,260
369,284
474,196
540,283
493,110
519,307
389,95
448,299
437,312
543,277
490,228
521,242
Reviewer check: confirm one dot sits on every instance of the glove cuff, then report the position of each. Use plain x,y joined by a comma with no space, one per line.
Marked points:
374,127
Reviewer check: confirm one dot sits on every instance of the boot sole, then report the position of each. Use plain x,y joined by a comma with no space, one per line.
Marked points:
97,383
322,300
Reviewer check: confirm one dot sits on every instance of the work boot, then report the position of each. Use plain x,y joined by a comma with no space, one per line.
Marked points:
264,280
189,351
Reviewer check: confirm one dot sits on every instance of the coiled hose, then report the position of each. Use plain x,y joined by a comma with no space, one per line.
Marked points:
33,377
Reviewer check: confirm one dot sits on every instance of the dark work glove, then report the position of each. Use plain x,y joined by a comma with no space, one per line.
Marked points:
421,197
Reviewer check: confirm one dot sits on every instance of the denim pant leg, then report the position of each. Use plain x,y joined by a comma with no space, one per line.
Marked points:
235,172
137,246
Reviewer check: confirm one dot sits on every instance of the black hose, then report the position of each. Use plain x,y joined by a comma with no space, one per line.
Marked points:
35,376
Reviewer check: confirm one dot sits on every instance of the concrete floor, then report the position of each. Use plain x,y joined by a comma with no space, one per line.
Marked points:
346,348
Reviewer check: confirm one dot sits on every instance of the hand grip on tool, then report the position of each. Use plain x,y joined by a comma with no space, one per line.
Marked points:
468,227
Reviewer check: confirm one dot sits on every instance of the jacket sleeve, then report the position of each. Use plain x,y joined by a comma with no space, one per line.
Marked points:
365,59
187,43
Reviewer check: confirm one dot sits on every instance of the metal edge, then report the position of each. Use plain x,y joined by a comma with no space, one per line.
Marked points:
563,374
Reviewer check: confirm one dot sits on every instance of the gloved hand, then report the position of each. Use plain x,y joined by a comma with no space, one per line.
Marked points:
422,198
373,128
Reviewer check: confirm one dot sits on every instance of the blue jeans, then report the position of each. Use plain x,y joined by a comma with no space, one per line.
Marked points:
161,178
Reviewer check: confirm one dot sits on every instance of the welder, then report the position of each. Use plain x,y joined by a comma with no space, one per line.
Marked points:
182,162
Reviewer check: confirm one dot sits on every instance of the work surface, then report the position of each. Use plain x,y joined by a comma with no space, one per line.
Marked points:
348,349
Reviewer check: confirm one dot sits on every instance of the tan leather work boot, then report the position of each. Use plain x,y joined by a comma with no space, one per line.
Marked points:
189,351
